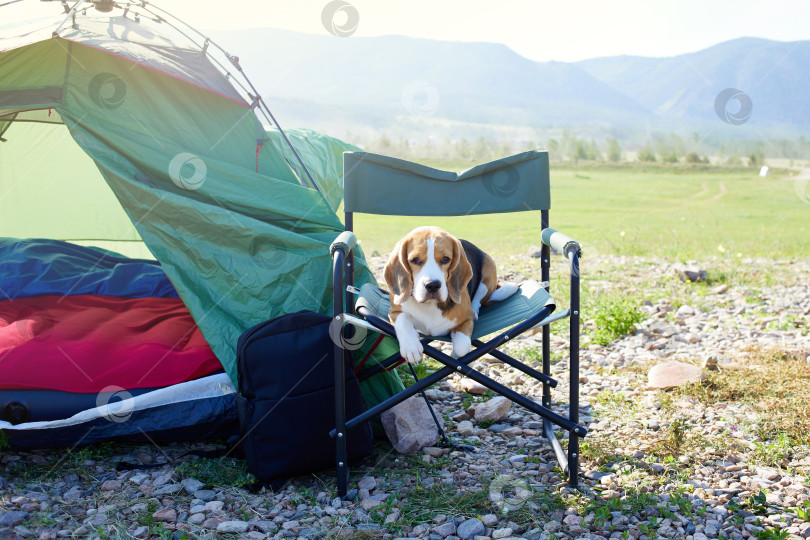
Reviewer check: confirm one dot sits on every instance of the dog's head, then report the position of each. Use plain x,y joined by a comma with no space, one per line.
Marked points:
428,264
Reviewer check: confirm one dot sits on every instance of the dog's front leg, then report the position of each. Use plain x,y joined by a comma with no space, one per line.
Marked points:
461,339
410,348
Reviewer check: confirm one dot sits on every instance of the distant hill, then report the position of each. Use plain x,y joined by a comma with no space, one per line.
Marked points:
774,74
391,82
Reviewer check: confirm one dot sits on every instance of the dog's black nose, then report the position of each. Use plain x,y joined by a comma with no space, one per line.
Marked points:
433,286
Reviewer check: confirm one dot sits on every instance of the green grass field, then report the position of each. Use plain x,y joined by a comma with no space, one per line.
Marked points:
677,212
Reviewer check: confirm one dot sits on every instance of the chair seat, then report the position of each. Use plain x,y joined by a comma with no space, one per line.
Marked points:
530,299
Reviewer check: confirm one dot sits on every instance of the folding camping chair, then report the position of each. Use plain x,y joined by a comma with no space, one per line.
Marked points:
376,184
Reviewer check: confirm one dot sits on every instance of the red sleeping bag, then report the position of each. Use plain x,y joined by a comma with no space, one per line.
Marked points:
86,343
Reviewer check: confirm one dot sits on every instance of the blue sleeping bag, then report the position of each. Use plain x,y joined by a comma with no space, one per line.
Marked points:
36,267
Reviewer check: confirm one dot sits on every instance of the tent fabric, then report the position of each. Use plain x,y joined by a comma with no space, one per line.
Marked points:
52,189
39,267
237,230
87,343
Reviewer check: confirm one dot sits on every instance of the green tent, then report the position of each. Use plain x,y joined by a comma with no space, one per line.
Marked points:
116,128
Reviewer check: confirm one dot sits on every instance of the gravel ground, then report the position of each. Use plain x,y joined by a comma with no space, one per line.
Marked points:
655,464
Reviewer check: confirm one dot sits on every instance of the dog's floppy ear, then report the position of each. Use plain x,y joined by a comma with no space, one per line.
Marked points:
398,272
460,272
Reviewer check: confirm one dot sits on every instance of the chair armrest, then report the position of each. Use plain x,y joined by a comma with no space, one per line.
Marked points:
345,242
560,242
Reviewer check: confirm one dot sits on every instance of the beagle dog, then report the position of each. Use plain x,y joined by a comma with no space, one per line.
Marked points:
437,283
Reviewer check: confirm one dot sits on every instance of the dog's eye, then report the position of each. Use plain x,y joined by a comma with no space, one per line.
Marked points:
445,260
416,261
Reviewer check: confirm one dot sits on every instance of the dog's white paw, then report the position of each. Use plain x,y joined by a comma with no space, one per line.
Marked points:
476,307
410,348
461,344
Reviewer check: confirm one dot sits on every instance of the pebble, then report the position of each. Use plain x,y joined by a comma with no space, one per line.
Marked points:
493,410
470,528
192,485
168,515
367,483
445,529
232,527
12,518
465,428
205,495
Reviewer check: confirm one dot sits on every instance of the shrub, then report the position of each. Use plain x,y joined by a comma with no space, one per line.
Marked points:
615,316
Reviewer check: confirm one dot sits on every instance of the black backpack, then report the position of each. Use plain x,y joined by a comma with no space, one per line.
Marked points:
287,406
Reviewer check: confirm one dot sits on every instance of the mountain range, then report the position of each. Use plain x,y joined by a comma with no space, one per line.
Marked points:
406,85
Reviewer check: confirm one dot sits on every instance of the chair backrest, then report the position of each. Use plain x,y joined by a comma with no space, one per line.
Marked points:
376,184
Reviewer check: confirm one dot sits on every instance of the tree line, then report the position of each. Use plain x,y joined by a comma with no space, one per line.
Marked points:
660,148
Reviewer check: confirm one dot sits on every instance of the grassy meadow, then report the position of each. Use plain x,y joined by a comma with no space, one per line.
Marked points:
678,212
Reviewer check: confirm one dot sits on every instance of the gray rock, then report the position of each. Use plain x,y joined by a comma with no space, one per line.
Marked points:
205,495
672,374
433,451
72,494
369,504
594,475
214,506
233,526
410,426
163,479
167,489
168,515
111,485
685,311
471,387
493,410
445,529
465,428
139,478
192,485
490,520
12,518
536,253
470,528
367,482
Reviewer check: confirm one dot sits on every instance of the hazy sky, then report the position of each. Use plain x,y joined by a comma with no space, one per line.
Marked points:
540,29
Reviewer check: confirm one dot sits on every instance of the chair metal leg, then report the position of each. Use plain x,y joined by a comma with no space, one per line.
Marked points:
573,394
341,454
545,265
